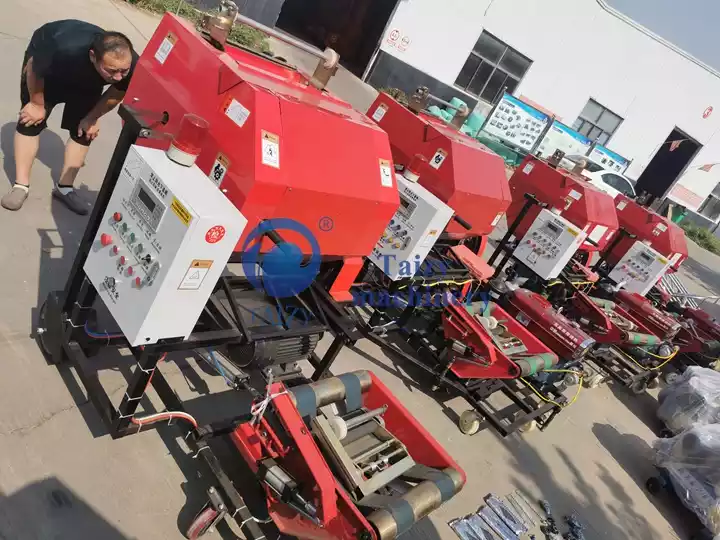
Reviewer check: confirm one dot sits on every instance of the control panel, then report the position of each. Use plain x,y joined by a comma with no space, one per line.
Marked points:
162,244
549,244
639,269
412,231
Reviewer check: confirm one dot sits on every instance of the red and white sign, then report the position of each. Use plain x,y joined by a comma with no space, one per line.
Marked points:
215,234
404,43
707,112
393,37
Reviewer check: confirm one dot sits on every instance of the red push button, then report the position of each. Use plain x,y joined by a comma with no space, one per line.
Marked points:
122,259
105,239
130,271
115,250
117,216
138,282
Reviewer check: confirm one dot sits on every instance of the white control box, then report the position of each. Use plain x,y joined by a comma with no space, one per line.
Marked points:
163,243
639,269
412,232
549,244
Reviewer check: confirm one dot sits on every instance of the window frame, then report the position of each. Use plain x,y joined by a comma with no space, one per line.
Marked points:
496,67
707,201
604,136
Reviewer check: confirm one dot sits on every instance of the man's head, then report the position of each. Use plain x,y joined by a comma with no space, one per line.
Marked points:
111,54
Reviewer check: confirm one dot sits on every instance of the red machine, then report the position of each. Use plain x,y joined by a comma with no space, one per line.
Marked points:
277,146
567,194
534,312
456,168
325,477
664,236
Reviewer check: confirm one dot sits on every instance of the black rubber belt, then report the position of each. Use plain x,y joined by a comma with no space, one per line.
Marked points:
305,400
444,483
353,391
402,513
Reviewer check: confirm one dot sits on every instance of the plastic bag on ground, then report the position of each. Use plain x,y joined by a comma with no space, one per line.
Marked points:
692,463
693,399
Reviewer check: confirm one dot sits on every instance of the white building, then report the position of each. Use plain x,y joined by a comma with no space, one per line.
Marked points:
580,60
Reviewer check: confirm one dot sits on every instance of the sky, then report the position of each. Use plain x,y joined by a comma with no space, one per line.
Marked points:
692,25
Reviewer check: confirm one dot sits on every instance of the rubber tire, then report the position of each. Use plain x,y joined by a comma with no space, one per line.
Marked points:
670,377
638,387
39,337
202,522
654,485
469,422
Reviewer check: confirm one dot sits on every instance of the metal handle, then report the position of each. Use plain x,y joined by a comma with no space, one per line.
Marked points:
462,222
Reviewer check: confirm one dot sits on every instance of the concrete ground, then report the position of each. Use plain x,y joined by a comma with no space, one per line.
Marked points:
62,478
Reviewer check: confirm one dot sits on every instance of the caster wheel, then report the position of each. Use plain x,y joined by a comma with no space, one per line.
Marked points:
530,426
41,333
571,379
202,523
671,377
653,384
469,422
638,387
654,485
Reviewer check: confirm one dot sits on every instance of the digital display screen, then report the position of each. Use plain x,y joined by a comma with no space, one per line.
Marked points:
146,200
645,257
407,207
554,228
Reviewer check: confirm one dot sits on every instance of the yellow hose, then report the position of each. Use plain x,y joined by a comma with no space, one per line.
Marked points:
666,358
552,402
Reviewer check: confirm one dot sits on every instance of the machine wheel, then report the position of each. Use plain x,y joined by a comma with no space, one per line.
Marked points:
530,426
40,335
653,383
654,485
202,523
670,377
571,379
638,387
469,422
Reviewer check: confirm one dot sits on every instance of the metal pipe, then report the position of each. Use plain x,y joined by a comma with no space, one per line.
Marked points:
446,103
383,459
281,36
374,450
362,418
359,432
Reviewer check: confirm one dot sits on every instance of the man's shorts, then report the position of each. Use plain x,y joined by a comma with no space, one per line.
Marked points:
76,109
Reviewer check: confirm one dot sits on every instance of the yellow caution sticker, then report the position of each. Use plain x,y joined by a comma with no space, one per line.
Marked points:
195,275
181,212
572,231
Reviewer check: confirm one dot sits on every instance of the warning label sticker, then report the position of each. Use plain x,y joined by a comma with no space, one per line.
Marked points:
380,112
165,48
195,274
270,149
236,112
219,169
181,212
438,158
385,173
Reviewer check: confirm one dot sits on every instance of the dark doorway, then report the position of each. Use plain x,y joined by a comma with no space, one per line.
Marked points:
352,27
667,163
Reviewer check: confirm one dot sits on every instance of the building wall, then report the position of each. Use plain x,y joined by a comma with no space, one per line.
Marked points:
579,51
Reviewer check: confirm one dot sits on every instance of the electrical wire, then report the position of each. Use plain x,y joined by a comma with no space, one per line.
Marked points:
167,415
548,400
666,358
97,335
446,282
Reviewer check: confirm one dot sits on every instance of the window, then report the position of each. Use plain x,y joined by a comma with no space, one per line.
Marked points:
597,123
619,183
710,208
491,68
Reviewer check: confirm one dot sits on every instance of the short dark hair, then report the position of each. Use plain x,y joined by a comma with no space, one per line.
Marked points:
110,42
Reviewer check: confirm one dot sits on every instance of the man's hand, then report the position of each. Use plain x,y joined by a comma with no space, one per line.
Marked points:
32,114
88,126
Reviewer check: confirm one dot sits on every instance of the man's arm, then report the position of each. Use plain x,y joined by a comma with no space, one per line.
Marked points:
34,112
109,100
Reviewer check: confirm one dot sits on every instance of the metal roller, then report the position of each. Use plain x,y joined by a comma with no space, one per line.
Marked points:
422,500
332,390
530,365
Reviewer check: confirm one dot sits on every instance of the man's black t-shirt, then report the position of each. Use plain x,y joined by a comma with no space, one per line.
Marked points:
61,56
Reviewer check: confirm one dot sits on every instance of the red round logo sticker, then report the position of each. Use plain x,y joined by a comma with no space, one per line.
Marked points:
215,234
